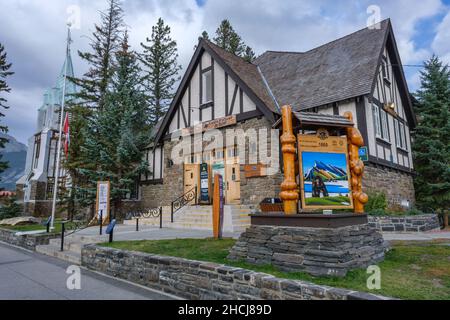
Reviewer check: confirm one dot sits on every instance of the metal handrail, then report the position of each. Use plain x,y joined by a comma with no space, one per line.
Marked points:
182,201
147,213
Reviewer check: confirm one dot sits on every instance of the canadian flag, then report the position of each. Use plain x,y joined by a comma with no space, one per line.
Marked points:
66,134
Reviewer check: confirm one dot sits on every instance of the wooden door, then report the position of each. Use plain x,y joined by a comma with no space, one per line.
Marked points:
191,178
232,177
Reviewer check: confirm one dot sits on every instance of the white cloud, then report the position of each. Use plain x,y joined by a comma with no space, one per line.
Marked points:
33,32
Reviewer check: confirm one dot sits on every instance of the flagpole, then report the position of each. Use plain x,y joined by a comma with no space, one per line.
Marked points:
58,152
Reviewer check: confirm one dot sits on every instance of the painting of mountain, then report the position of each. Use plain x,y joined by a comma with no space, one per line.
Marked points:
325,179
15,153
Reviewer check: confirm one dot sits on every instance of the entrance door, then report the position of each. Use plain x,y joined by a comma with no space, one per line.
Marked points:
191,178
232,177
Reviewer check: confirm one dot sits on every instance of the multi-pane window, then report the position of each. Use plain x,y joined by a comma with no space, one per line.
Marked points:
385,69
402,136
376,117
384,125
207,86
397,133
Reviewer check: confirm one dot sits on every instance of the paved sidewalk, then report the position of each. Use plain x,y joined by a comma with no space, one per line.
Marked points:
128,232
417,236
27,275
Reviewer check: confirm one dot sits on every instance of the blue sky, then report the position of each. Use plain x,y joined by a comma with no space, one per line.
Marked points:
336,159
33,33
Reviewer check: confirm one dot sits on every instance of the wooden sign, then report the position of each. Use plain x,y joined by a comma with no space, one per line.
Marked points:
218,203
255,170
213,124
324,172
102,201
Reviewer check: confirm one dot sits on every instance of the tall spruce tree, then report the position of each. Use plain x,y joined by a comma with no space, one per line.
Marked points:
117,135
89,100
228,39
160,70
4,73
105,41
431,139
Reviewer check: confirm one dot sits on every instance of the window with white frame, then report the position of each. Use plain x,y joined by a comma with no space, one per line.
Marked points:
207,86
385,69
398,142
402,136
384,125
376,117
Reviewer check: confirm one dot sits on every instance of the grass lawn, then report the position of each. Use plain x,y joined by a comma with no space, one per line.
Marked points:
327,201
410,270
35,227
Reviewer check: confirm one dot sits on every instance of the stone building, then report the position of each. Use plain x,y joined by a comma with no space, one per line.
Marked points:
37,184
222,93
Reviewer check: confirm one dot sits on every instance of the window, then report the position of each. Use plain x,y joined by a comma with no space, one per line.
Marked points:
385,69
397,133
384,125
402,136
207,87
376,117
37,150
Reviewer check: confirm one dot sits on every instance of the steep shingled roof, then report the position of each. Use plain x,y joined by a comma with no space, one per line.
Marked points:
338,70
248,73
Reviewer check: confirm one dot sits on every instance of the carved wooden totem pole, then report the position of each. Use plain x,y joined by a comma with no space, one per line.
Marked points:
289,192
355,141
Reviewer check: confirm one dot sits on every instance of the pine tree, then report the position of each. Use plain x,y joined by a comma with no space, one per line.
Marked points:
249,54
116,136
105,41
4,73
90,99
431,139
228,39
161,70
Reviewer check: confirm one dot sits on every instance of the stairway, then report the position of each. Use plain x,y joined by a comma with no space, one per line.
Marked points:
72,248
200,218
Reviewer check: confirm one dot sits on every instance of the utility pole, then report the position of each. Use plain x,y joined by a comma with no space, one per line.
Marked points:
58,152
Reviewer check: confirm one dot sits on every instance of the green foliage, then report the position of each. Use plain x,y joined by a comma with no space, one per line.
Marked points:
228,39
116,136
10,209
377,203
161,70
4,73
431,147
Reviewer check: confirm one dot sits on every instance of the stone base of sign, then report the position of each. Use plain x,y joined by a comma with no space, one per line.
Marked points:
317,251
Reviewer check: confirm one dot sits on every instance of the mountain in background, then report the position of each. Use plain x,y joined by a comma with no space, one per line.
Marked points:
15,153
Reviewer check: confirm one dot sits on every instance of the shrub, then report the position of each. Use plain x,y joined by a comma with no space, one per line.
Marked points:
10,209
377,202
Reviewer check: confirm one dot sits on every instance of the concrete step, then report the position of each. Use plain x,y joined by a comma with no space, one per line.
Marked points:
54,251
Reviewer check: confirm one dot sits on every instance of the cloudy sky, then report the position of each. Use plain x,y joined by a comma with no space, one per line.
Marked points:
33,32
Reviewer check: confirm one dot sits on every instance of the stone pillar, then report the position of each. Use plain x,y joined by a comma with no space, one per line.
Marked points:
289,190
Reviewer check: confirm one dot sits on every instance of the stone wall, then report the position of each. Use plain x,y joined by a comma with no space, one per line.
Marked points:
27,241
419,223
317,251
395,184
253,190
197,280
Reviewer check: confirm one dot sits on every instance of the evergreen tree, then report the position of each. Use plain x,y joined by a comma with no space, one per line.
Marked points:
249,54
105,41
116,136
161,70
4,73
228,39
431,139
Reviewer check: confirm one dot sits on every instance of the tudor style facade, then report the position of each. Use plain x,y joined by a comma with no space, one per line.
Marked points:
360,73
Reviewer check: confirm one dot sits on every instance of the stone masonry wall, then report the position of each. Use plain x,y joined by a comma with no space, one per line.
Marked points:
317,251
419,223
28,241
197,280
396,185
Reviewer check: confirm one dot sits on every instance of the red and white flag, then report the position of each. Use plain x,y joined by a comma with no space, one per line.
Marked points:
66,134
